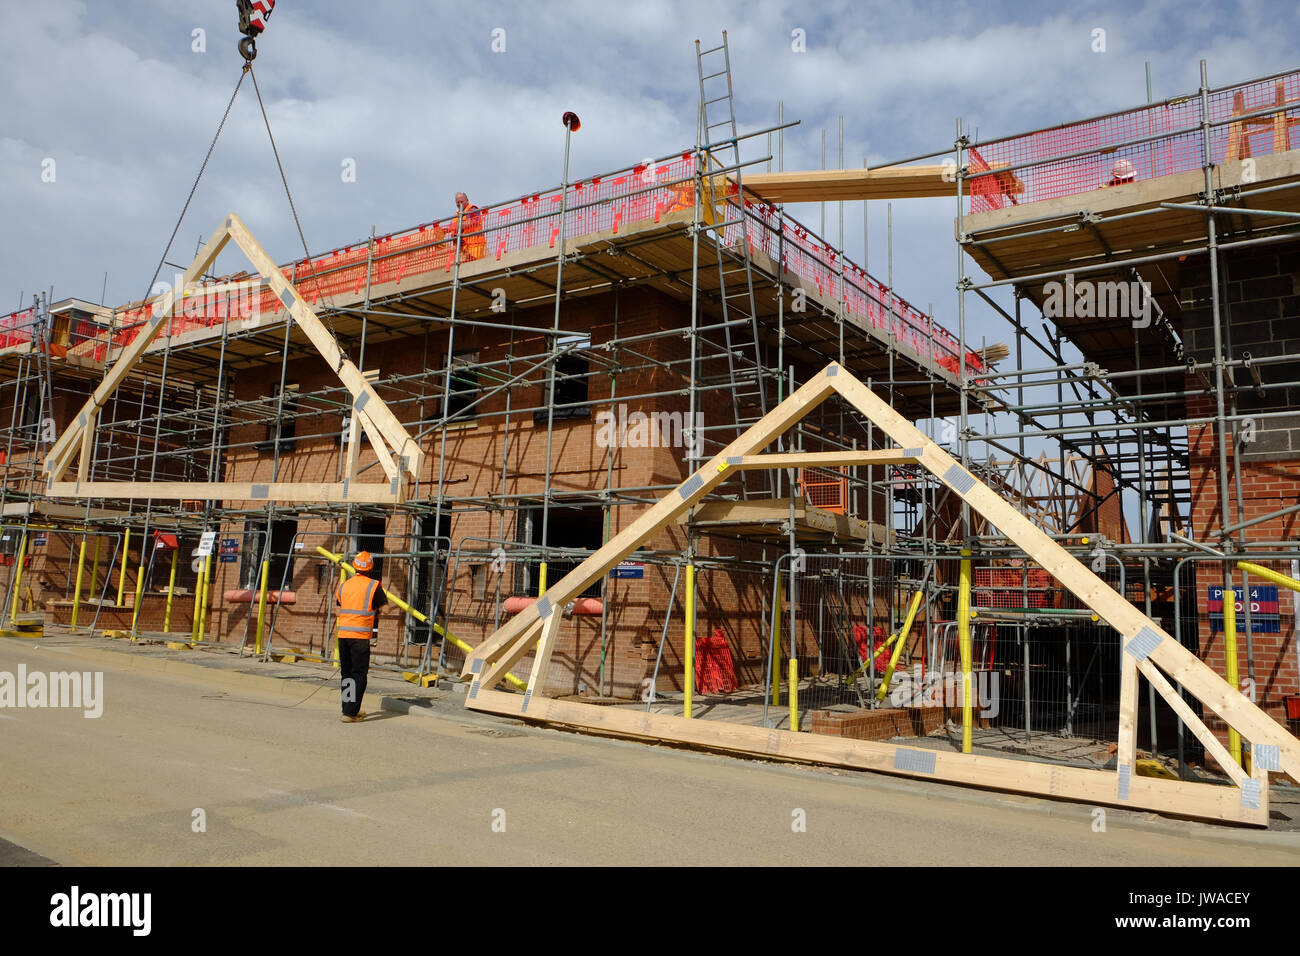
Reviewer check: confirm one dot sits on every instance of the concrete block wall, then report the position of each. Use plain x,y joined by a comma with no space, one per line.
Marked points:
1259,314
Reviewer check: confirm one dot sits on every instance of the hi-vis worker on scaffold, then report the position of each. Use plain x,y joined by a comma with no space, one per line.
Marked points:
359,599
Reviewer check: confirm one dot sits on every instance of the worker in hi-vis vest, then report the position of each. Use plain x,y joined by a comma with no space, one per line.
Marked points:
468,225
359,599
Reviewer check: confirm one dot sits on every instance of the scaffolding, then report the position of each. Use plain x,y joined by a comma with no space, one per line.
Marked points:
433,282
669,287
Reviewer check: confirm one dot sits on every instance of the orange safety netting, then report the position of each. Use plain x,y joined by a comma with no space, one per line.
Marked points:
1136,145
599,205
825,488
16,327
1014,588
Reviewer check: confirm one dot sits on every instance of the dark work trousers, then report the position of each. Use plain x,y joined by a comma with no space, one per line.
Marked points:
354,662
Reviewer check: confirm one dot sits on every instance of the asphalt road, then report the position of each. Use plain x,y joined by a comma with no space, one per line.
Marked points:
276,779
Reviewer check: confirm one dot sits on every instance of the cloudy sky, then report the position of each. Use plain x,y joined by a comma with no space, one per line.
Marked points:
124,97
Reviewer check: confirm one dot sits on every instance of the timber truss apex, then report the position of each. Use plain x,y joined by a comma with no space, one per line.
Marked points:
398,453
1147,648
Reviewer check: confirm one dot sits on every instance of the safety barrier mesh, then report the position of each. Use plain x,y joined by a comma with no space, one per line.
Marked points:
825,488
599,205
16,328
1135,145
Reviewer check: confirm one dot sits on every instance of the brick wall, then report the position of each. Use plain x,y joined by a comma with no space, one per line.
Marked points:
617,659
1260,314
474,457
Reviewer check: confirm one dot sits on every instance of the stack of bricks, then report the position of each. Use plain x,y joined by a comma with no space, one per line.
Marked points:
926,720
153,613
864,724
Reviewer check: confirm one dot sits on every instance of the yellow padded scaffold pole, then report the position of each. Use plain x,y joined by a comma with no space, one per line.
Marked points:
1230,660
898,646
963,634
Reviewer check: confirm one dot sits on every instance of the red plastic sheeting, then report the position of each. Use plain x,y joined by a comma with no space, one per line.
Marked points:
246,596
714,671
864,652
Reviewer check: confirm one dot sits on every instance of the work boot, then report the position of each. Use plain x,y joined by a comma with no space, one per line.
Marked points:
361,715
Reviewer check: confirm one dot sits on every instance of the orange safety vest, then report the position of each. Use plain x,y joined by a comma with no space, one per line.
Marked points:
356,598
472,240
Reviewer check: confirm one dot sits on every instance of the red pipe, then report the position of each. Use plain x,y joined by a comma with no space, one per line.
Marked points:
586,607
246,596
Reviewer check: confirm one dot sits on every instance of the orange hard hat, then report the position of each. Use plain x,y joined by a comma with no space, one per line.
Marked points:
363,561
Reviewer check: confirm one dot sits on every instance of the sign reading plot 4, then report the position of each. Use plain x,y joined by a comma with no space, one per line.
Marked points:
1265,617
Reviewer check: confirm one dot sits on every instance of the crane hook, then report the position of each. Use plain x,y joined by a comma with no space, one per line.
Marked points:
253,15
